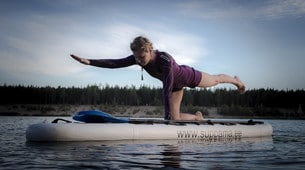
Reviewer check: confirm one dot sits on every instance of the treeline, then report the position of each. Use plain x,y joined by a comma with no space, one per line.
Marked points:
130,95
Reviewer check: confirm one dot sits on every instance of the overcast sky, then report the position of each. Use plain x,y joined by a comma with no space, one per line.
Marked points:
261,41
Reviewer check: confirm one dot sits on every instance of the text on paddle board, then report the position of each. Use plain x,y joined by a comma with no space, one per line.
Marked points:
213,134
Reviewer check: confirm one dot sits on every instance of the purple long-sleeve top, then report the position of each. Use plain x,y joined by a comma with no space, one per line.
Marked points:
173,76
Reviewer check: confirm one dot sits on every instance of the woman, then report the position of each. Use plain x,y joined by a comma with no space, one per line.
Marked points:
173,76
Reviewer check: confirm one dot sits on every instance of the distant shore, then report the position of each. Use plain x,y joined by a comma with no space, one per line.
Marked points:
120,111
70,110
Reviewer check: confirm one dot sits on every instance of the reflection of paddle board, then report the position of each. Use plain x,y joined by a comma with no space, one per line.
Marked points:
101,126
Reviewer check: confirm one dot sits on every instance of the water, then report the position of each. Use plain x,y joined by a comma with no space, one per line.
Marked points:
284,150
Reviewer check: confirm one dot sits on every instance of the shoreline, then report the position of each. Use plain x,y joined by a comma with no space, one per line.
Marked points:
70,110
118,111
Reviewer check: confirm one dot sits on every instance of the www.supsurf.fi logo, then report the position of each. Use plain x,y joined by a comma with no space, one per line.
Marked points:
210,135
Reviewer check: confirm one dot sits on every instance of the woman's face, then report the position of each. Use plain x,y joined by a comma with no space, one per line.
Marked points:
142,57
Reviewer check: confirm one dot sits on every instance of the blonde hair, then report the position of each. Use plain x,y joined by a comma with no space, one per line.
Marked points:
141,43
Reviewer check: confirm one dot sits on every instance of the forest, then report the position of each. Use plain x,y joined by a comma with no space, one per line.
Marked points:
261,102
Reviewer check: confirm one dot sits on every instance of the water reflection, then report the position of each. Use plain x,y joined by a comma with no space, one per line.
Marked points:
188,153
128,154
171,156
284,151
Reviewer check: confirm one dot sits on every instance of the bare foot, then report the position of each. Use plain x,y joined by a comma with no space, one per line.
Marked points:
240,85
199,116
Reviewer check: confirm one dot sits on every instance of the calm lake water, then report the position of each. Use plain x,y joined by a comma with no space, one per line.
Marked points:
284,150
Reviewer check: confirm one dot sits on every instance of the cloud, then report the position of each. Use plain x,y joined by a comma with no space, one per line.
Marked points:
41,47
281,9
36,47
222,9
115,39
185,47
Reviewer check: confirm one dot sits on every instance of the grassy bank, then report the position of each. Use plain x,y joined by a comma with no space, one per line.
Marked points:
69,110
151,111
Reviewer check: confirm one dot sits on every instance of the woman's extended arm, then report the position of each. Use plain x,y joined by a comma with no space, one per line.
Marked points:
107,63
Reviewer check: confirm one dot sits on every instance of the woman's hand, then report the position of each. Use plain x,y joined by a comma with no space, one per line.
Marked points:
81,60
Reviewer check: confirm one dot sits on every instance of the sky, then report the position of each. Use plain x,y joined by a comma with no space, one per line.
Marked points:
261,41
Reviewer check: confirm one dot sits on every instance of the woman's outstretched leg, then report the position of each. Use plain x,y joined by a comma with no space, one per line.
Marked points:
208,80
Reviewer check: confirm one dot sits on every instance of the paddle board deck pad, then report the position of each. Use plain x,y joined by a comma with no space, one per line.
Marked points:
100,126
